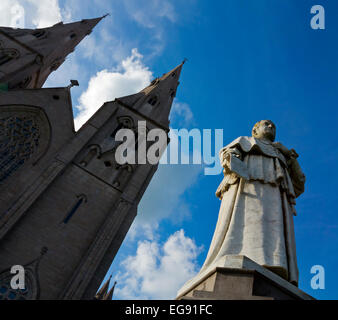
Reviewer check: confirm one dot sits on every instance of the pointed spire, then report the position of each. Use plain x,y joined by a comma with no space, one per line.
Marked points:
103,291
155,101
28,56
109,295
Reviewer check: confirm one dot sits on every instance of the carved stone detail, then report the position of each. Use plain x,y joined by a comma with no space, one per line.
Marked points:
124,173
94,151
8,54
31,281
21,129
99,158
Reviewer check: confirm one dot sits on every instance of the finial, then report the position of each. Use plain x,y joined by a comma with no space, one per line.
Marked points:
106,15
184,60
73,83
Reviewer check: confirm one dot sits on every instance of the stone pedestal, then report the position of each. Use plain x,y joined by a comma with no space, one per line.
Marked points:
239,278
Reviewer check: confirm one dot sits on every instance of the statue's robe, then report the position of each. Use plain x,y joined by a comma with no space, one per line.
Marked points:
256,213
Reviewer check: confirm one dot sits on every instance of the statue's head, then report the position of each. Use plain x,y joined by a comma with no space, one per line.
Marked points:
264,129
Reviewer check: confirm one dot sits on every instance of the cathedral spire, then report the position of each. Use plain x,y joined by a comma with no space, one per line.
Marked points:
103,292
109,295
28,56
155,100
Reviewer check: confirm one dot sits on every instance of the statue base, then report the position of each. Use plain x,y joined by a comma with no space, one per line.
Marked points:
239,278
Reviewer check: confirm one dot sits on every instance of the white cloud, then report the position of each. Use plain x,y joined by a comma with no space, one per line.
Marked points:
67,14
151,15
131,77
164,199
47,13
103,46
158,272
181,115
12,13
149,12
29,13
167,192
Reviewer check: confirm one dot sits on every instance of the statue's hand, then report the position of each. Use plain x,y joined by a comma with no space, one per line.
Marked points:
227,154
236,153
230,152
225,159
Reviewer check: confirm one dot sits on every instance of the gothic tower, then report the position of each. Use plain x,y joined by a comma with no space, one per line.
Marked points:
27,57
65,204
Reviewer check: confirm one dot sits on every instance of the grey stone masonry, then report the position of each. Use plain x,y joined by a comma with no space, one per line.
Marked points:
28,56
239,278
61,191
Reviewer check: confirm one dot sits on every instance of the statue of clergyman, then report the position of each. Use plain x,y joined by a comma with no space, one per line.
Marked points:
262,178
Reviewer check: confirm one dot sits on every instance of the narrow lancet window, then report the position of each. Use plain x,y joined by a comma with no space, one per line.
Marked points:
152,101
80,200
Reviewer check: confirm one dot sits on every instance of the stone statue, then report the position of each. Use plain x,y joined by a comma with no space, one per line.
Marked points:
262,179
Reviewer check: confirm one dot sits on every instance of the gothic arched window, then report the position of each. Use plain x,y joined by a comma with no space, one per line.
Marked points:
126,122
124,174
24,136
80,200
93,151
7,293
153,101
31,290
19,138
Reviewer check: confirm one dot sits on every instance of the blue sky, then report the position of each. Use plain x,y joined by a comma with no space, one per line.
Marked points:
247,61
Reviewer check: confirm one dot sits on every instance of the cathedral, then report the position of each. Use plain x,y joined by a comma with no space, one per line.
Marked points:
65,204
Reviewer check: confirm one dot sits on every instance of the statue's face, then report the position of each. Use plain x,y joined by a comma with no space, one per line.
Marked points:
265,130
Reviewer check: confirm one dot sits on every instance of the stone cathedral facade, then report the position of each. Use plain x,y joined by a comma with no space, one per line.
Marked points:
65,204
